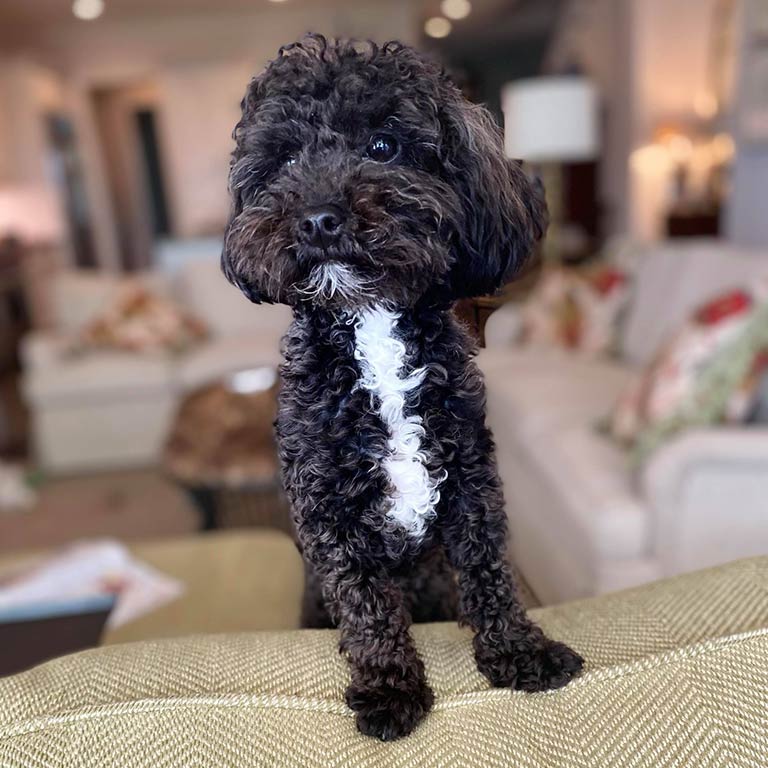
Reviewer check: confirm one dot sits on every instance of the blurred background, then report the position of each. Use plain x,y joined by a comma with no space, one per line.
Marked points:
626,370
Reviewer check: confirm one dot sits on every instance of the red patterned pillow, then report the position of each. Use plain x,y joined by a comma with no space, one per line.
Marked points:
576,309
709,372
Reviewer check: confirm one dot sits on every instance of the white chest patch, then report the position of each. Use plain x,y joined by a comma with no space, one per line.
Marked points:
381,356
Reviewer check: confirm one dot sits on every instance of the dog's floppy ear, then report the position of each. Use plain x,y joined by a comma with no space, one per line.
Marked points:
505,211
234,253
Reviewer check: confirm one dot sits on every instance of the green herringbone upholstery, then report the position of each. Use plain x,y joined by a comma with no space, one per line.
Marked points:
677,675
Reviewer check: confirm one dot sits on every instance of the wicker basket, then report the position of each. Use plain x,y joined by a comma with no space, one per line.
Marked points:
262,505
222,451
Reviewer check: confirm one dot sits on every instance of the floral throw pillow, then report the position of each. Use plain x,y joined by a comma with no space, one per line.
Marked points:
576,309
139,320
711,371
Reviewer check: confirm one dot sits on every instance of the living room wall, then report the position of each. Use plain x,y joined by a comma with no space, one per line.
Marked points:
201,64
746,222
651,62
29,92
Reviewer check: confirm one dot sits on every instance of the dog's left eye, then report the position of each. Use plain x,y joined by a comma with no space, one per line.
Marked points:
382,148
290,159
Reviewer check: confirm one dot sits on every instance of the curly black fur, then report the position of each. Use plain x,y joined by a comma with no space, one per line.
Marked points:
448,216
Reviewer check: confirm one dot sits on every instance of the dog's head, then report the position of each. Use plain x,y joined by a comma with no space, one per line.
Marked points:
361,175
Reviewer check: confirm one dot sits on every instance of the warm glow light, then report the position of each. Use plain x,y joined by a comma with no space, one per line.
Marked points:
88,10
680,148
723,148
705,105
651,160
456,9
676,141
437,26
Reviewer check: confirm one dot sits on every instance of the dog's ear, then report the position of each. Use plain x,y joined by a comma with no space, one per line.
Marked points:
505,213
234,254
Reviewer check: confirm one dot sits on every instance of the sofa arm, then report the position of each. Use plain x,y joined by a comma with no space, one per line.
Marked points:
708,498
503,326
41,349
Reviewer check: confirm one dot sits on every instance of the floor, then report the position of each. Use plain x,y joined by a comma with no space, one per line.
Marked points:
13,417
129,505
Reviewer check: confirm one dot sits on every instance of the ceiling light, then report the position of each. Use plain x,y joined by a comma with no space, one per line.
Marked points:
276,1
87,10
437,26
456,9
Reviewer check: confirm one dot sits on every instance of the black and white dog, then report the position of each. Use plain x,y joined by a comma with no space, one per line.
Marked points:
369,195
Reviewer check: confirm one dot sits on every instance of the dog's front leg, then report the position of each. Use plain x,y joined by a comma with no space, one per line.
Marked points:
388,691
509,648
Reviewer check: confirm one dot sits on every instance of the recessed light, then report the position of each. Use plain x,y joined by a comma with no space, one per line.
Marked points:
88,10
456,9
437,26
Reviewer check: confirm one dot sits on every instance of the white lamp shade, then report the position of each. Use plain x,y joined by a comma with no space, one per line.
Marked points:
550,118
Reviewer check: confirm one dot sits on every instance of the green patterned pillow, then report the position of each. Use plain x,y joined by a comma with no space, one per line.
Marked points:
709,372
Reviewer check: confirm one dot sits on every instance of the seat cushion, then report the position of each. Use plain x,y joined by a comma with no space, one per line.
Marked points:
668,681
533,389
590,476
566,484
99,377
225,355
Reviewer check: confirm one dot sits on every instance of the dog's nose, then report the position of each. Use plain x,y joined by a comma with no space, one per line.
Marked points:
322,226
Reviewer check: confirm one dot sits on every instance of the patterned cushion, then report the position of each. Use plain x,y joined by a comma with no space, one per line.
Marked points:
677,674
709,372
577,309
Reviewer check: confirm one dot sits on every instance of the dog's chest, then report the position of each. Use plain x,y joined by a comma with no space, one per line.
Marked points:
382,359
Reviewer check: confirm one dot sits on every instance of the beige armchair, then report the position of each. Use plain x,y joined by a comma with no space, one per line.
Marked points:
113,409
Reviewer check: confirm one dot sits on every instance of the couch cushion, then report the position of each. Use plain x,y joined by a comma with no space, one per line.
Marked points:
667,682
544,406
202,287
531,389
79,295
100,377
673,279
225,355
588,474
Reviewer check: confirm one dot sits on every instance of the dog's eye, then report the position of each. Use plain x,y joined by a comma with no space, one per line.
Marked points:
382,148
291,159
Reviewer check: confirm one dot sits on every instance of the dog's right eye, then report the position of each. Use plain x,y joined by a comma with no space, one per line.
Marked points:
290,159
382,148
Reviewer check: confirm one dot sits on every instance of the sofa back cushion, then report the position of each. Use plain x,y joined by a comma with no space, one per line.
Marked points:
674,278
80,295
203,289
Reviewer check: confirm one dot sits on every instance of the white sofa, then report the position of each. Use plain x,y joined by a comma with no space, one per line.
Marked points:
582,522
110,409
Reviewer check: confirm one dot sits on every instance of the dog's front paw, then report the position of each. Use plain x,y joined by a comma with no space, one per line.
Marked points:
388,712
533,663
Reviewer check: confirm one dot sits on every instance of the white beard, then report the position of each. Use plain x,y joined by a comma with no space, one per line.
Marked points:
381,357
328,280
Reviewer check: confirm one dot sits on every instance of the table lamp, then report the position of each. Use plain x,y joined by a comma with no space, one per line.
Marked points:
549,121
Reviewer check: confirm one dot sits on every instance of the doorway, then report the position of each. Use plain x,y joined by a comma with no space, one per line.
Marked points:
126,118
